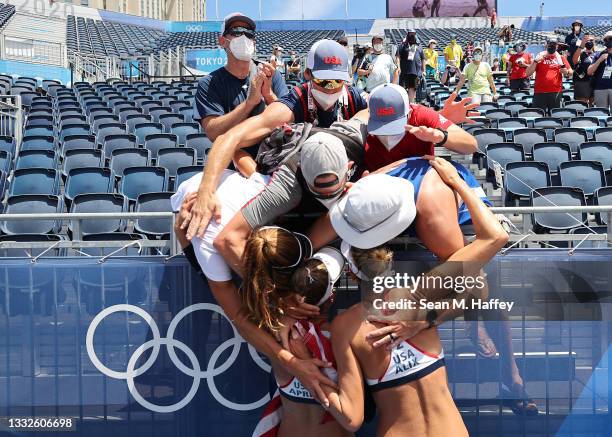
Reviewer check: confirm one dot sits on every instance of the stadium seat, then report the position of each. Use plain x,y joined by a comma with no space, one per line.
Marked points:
498,114
98,203
79,158
107,129
501,154
601,113
139,180
132,120
118,141
143,130
572,136
585,122
40,120
155,142
558,221
157,112
484,137
74,129
130,157
168,120
603,197
36,159
5,165
549,124
181,130
600,151
78,142
522,177
586,175
531,113
7,144
32,204
528,137
577,105
154,202
515,107
200,143
85,180
36,142
173,158
564,113
552,154
34,181
185,173
603,134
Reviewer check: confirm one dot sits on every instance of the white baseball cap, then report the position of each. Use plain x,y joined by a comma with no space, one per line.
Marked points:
376,209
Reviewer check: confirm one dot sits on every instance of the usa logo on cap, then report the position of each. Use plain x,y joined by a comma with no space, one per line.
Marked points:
328,60
389,110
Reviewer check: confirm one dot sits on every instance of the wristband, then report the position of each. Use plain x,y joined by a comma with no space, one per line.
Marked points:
441,143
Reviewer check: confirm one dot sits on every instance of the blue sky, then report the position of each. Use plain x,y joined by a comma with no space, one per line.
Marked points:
326,9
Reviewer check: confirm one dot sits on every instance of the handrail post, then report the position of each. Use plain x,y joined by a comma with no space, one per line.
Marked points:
609,228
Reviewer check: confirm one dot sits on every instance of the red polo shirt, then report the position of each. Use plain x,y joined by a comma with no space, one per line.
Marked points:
517,71
548,74
377,155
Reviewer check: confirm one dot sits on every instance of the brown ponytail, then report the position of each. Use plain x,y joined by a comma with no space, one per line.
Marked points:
372,262
264,287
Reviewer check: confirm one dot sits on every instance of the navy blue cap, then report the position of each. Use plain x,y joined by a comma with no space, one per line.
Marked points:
389,108
328,60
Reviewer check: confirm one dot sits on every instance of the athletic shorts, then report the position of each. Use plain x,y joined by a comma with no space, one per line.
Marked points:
409,81
547,101
520,84
583,89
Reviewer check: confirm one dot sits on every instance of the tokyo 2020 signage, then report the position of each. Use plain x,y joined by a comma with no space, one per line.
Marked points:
439,8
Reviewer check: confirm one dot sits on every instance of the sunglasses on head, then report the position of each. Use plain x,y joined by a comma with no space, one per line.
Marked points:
347,177
328,84
239,31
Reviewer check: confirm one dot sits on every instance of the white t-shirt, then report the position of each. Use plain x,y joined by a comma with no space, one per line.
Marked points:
234,192
382,71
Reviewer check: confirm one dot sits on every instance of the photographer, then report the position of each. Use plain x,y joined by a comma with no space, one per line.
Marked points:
582,60
601,70
381,68
574,40
293,67
361,65
451,75
411,60
517,68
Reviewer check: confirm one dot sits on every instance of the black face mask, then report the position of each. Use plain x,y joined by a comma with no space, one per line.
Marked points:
589,45
412,39
551,49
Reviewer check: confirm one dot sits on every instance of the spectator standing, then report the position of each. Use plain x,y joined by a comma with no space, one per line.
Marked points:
381,68
495,65
276,60
549,67
431,59
582,60
453,51
451,75
493,18
517,68
294,67
361,64
240,89
343,41
574,40
601,70
487,50
469,51
481,87
411,59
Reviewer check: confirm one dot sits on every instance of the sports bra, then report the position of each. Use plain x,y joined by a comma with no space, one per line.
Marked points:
318,343
408,363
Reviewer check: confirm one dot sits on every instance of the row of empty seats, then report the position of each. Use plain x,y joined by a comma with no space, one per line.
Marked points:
6,12
443,36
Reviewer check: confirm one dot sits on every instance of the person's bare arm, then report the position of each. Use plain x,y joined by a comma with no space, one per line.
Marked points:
492,85
244,163
322,232
247,133
508,71
460,84
230,243
458,140
532,67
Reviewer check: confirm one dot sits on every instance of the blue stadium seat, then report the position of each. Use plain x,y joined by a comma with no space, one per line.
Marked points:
186,112
571,135
5,165
86,180
34,181
130,157
7,144
603,197
603,134
168,120
522,177
181,130
154,202
501,154
80,158
98,203
200,143
528,137
142,130
139,180
498,114
118,141
552,154
184,173
484,137
173,158
155,142
71,118
600,151
107,129
126,112
577,105
36,159
586,175
135,119
148,105
78,142
32,204
101,119
74,129
40,120
558,221
585,122
157,112
36,142
515,107
38,131
549,124
601,113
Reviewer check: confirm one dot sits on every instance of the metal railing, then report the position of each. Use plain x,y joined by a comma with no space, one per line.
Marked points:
11,118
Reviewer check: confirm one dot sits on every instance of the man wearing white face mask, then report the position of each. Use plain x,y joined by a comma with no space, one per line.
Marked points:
381,69
240,89
481,87
398,129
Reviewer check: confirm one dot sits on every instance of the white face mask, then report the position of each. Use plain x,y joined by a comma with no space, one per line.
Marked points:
378,47
390,141
326,101
242,48
478,57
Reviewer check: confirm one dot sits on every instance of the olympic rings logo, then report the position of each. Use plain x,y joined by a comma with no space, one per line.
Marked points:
170,342
193,28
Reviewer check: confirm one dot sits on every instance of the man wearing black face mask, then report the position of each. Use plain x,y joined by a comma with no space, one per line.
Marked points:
574,40
411,60
549,67
582,59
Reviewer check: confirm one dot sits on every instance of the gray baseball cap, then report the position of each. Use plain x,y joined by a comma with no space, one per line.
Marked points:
328,60
323,154
236,16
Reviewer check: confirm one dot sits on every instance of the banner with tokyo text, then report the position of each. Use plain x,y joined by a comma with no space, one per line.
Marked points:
205,61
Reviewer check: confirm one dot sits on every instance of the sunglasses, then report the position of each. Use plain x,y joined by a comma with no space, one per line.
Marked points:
328,84
239,31
305,246
347,177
